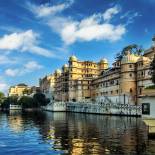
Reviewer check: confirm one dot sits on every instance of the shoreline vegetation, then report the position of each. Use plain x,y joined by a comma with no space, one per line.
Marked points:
27,103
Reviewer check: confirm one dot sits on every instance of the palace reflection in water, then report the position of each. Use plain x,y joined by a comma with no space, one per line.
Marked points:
72,133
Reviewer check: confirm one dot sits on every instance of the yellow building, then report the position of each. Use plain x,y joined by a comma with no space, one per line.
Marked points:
19,90
126,80
83,81
47,85
73,82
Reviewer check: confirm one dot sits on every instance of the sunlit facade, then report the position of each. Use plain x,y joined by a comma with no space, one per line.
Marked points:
47,86
72,82
85,81
19,90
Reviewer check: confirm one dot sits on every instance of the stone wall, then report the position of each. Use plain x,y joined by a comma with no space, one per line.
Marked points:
112,109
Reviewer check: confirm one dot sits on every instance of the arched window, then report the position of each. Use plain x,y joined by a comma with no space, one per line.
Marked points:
130,74
130,90
140,90
130,66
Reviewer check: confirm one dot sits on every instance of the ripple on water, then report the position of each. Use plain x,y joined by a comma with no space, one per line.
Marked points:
70,133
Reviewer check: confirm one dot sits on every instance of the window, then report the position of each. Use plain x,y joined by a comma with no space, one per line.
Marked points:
130,75
130,90
130,66
116,82
146,108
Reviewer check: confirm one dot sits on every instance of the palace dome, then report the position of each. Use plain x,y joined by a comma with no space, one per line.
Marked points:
129,58
58,71
104,61
65,66
73,58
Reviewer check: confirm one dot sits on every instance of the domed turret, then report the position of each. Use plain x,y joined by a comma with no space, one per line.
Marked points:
58,71
73,58
129,58
105,61
65,67
103,64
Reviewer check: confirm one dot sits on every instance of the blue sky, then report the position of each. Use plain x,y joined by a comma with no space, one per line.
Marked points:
38,36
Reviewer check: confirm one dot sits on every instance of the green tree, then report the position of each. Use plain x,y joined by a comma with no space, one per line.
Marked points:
9,100
26,102
133,48
6,103
152,67
40,99
2,97
13,100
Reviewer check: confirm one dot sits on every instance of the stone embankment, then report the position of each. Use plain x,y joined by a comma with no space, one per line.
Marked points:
96,108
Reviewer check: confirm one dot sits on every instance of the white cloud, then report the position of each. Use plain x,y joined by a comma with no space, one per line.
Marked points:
95,27
42,51
3,87
130,16
26,41
109,13
91,28
16,41
6,60
33,65
46,9
11,72
27,68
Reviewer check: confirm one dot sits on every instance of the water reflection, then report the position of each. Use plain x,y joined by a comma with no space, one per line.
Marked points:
76,134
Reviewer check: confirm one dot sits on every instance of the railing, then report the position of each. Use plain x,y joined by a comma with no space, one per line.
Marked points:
107,99
101,107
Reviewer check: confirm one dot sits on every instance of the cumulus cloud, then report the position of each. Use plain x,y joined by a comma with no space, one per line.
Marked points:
33,65
95,27
46,9
16,41
27,68
109,13
12,72
91,28
26,41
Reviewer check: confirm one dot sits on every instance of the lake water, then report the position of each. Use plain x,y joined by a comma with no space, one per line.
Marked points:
41,133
